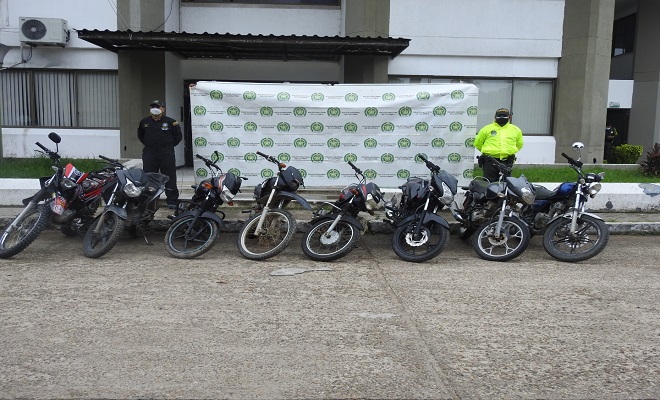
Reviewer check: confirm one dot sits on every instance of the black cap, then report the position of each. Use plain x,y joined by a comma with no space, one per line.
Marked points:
157,103
502,112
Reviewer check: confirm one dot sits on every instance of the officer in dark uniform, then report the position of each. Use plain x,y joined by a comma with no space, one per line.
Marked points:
160,134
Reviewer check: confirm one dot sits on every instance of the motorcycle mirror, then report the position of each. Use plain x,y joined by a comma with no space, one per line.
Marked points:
54,137
578,146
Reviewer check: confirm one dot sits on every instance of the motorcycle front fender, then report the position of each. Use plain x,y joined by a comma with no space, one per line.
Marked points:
428,217
569,215
346,218
292,196
205,215
121,213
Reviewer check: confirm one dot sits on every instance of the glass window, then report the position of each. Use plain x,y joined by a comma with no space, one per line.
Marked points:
47,98
623,35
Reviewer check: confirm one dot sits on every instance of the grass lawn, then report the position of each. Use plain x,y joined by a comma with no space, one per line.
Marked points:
41,166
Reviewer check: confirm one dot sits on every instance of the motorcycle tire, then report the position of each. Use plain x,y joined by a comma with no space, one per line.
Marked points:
277,232
591,239
464,233
318,247
27,229
433,241
96,245
512,242
201,240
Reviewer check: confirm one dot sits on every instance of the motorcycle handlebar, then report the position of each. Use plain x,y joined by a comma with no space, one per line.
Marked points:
356,169
269,158
53,155
572,161
428,163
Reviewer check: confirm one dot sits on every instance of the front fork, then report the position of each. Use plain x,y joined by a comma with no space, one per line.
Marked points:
30,206
578,209
264,211
417,232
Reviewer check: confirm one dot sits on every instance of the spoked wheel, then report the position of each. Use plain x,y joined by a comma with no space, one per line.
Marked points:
275,235
431,241
321,245
97,244
16,239
590,238
185,240
512,241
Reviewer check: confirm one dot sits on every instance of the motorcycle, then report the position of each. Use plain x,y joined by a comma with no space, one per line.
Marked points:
130,204
569,233
196,224
419,233
270,228
69,198
334,233
489,214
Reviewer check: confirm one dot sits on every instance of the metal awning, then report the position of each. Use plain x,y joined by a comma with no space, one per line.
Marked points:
251,47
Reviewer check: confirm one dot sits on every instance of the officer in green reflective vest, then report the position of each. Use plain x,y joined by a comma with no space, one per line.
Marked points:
500,140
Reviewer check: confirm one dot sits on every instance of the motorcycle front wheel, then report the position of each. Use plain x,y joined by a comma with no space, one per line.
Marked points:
590,238
26,230
275,235
97,244
320,245
181,243
512,241
432,240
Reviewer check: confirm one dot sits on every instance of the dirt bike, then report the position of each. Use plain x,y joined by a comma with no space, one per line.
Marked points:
270,228
334,233
69,198
489,214
419,232
196,223
569,233
130,204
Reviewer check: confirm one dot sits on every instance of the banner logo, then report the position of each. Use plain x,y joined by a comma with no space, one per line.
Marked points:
418,159
469,142
423,96
216,126
233,142
300,111
316,127
234,111
439,111
250,157
421,127
370,143
200,142
267,142
438,142
235,171
457,95
303,173
454,158
350,127
468,173
215,95
333,143
352,157
266,111
370,174
283,96
351,97
250,126
333,174
283,127
404,143
455,127
334,112
284,157
300,142
217,157
266,173
472,111
387,158
201,172
388,97
199,110
405,111
371,111
317,97
316,157
403,174
249,95
387,127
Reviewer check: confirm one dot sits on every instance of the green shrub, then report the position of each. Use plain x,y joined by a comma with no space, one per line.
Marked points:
626,154
651,166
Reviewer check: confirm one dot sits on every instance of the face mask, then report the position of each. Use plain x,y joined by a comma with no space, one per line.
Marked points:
155,111
502,121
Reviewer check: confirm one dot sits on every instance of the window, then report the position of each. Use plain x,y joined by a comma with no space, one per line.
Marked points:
530,101
46,98
623,35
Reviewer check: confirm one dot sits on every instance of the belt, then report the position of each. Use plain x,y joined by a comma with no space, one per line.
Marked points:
507,158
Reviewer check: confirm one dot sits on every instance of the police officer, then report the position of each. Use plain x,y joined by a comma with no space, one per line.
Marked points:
500,140
160,134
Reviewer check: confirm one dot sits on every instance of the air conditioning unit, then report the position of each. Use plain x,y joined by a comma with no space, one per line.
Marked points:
43,31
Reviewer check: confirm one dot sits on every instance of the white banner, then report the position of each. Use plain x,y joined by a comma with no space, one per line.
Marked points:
318,128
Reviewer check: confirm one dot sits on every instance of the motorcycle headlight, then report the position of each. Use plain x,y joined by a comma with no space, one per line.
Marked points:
67,184
131,190
593,189
446,197
226,195
527,196
371,204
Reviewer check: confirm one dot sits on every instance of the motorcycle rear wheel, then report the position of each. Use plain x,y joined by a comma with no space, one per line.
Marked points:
276,234
96,245
511,243
201,239
343,239
434,238
591,238
27,229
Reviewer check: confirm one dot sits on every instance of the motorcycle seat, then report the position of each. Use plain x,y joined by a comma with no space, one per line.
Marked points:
478,186
157,178
543,193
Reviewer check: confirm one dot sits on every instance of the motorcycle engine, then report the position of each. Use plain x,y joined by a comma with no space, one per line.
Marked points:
64,217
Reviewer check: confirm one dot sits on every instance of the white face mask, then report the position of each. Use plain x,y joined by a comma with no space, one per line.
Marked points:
155,111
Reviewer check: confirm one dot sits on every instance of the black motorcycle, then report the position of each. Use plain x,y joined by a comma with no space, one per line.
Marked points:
196,222
419,232
569,232
130,205
69,198
270,228
334,233
489,214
